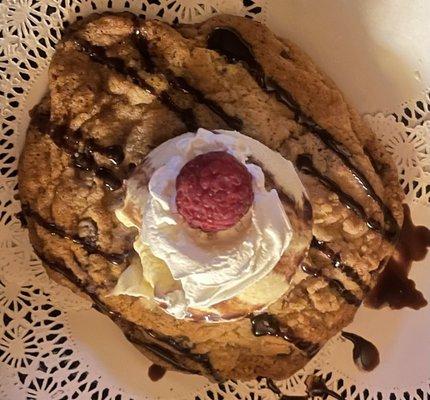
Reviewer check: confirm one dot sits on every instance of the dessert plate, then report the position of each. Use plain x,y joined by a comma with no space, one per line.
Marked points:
54,345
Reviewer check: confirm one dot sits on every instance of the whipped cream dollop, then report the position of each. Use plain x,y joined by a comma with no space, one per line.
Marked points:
184,268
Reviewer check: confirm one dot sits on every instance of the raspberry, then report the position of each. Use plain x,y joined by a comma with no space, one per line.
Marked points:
213,191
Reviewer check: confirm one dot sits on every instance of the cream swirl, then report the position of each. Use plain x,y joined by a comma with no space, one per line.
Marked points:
206,269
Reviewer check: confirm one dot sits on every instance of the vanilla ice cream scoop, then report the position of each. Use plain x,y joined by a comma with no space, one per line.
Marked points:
222,275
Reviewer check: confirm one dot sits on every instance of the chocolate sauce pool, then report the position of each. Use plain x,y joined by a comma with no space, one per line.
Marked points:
394,288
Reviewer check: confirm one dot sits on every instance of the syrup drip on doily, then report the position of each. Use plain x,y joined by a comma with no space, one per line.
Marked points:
156,372
394,287
364,353
315,386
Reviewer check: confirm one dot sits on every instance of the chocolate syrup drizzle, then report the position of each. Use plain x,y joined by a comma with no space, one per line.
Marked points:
142,45
335,284
229,43
98,54
181,83
305,165
164,353
347,294
54,229
267,324
364,353
159,351
394,288
336,261
22,220
114,153
82,151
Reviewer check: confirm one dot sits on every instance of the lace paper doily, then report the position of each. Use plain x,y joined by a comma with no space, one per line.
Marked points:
49,342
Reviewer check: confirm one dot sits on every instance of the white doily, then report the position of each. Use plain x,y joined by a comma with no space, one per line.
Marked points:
54,346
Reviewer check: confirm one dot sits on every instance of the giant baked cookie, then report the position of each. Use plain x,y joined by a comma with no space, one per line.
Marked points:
235,250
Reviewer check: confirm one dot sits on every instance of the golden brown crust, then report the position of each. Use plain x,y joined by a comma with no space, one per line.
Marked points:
106,106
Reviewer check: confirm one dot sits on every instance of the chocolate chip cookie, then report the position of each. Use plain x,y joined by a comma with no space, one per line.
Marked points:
119,87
